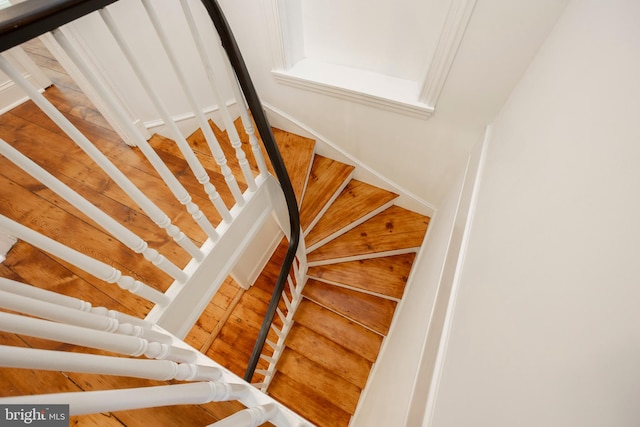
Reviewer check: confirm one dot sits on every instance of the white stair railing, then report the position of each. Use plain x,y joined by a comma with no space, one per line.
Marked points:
234,137
33,312
195,164
150,369
213,143
141,199
177,189
177,362
92,266
296,282
120,232
68,302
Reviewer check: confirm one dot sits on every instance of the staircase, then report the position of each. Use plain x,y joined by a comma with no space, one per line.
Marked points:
360,249
360,246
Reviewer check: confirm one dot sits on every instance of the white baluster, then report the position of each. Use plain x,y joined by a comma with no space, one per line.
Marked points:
271,344
150,208
212,141
71,334
92,266
244,117
178,190
23,289
117,230
292,287
250,417
226,116
57,313
161,370
276,330
91,402
195,165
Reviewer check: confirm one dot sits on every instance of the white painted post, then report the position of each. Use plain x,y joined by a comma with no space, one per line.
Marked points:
92,266
195,165
50,360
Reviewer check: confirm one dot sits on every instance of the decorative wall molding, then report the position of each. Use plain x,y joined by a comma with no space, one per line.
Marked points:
394,104
284,23
453,30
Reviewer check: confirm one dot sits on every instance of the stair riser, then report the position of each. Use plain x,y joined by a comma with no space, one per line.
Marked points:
324,209
366,256
352,288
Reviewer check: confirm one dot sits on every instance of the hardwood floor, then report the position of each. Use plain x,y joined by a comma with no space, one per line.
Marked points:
359,244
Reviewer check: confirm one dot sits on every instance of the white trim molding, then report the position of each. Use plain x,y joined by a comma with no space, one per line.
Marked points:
414,98
453,30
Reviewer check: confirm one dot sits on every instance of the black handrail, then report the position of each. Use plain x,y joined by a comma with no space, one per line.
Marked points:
253,101
31,18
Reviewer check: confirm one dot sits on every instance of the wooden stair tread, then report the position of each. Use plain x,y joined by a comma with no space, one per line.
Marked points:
296,151
338,329
368,310
384,276
322,381
354,203
304,401
327,177
326,353
393,229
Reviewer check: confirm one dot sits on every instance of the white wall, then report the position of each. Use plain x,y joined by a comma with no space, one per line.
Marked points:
136,28
546,326
422,156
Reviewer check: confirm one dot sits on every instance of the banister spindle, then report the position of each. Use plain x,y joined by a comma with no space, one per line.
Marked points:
211,139
174,185
57,313
117,230
250,417
224,110
91,402
247,123
195,165
92,266
77,335
51,360
150,208
23,289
